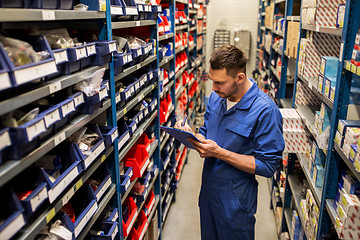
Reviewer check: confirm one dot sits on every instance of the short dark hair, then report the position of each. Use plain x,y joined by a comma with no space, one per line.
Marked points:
229,57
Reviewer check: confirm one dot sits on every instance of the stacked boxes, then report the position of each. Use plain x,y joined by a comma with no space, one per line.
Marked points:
310,212
323,13
269,15
316,164
322,118
347,138
312,49
304,96
292,39
295,226
296,140
327,76
347,206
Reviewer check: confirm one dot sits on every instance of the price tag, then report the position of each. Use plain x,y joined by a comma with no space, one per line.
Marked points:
341,51
125,111
348,66
48,15
116,11
317,28
91,50
125,59
103,158
141,8
138,66
79,184
137,23
112,47
5,140
59,138
353,68
129,58
358,71
50,215
54,87
35,129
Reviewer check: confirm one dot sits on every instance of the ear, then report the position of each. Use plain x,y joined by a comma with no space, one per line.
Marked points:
240,77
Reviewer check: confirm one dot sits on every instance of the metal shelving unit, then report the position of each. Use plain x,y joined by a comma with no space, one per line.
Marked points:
129,24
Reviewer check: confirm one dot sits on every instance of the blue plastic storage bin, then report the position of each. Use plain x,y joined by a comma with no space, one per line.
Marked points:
141,12
132,126
27,181
96,150
136,55
67,107
129,6
103,175
5,142
113,216
128,92
94,102
109,230
154,171
23,74
125,183
124,133
15,4
27,132
155,9
70,169
120,60
142,81
94,5
104,49
136,116
11,214
152,105
165,159
5,81
51,116
85,205
109,134
61,58
75,55
79,100
91,55
150,78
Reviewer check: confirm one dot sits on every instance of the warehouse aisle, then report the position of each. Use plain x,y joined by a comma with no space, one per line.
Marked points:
183,220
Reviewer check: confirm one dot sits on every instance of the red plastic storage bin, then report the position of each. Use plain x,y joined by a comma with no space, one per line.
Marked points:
138,159
129,215
138,232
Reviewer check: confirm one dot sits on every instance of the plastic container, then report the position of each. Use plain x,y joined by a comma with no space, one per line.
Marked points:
85,205
104,50
91,55
51,116
155,9
138,159
61,60
12,213
25,182
165,159
129,211
132,126
113,217
95,151
149,203
67,108
109,230
75,55
103,175
124,133
79,100
23,74
109,134
5,81
94,102
144,140
69,171
5,142
140,228
120,60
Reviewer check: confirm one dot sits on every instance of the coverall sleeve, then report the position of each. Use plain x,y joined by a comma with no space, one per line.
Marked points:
269,143
203,129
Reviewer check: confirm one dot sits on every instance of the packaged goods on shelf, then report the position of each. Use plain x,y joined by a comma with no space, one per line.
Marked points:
292,39
304,96
269,13
295,225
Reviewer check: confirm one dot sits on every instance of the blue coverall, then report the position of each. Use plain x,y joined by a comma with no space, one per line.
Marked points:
228,196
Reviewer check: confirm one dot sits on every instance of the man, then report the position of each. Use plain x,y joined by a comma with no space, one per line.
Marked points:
241,138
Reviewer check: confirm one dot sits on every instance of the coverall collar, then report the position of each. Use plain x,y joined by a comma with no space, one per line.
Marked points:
247,99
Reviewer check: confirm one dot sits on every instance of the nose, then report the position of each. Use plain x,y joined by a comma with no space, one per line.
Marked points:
214,87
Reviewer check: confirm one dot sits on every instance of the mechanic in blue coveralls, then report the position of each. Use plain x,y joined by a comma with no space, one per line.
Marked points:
241,138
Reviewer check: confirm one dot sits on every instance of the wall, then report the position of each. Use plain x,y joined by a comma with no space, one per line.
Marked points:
241,14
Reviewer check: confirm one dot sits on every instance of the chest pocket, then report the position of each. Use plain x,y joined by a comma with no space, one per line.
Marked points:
237,137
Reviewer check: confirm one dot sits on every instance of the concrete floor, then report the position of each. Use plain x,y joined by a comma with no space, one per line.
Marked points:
183,220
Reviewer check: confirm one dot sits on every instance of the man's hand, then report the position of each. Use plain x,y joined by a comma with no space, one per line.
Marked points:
186,128
207,147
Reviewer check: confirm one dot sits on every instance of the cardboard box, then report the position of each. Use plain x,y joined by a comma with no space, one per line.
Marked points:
352,135
153,227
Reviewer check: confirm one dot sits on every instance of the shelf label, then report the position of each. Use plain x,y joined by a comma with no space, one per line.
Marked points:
103,93
125,111
138,66
114,135
48,15
104,156
59,138
317,28
79,184
54,87
129,58
140,8
115,232
103,189
52,117
80,53
123,140
137,23
35,129
54,192
348,66
358,71
4,81
353,68
50,215
117,98
61,57
125,59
